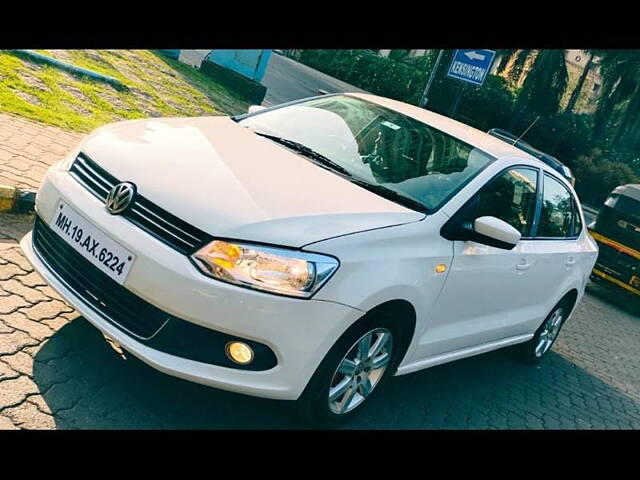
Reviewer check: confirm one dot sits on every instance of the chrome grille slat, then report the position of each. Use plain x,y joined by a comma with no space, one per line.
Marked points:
89,182
136,211
143,213
156,218
106,185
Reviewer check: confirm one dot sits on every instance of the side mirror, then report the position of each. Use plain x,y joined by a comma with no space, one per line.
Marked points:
495,232
255,108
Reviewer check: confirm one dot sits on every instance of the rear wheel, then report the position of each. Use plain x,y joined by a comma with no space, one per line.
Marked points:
535,349
354,369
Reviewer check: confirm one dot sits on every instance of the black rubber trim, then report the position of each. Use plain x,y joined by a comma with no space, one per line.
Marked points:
134,316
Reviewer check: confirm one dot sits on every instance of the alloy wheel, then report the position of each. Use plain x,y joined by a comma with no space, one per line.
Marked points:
360,370
549,332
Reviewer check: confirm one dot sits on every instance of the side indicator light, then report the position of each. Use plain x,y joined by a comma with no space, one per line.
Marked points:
441,268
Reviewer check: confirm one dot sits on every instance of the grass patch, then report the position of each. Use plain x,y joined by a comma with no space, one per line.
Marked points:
158,87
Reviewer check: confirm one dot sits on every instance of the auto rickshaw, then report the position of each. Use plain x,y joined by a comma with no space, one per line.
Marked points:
617,231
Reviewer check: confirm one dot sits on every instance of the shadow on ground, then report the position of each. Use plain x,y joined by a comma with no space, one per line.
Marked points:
87,385
13,227
616,296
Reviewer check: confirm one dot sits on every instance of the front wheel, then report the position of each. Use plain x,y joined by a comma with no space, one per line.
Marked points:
535,349
353,370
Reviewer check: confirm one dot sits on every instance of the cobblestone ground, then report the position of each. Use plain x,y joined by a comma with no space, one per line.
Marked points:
56,370
28,148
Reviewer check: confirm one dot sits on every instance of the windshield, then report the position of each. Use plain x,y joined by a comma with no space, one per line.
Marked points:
377,146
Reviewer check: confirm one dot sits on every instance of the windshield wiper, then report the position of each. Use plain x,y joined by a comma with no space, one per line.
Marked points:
307,152
392,195
321,159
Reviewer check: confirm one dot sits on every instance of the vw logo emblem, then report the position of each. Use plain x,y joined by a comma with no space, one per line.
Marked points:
120,197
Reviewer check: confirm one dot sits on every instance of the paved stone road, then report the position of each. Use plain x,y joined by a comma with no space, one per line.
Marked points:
56,371
28,148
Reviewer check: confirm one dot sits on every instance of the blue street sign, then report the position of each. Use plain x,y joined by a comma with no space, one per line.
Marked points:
471,65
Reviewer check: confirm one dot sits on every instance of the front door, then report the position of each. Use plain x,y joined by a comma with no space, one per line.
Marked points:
489,292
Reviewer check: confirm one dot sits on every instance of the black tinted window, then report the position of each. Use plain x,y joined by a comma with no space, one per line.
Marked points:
577,223
510,197
557,210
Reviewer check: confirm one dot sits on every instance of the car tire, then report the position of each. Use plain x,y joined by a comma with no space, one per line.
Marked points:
315,407
533,351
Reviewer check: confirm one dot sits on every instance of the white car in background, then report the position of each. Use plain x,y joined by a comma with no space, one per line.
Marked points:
311,250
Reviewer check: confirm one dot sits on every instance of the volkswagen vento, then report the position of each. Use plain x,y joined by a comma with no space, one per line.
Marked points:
311,250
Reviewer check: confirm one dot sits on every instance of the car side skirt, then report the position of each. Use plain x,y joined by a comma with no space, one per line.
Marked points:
460,354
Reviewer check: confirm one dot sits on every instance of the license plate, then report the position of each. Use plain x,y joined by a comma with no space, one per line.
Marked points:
93,244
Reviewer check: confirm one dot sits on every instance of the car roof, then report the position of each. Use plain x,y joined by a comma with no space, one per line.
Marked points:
630,190
528,148
474,137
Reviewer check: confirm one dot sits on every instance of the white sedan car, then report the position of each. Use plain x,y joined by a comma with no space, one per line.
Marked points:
311,250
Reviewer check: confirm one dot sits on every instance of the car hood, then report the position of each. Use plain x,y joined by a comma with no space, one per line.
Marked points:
229,182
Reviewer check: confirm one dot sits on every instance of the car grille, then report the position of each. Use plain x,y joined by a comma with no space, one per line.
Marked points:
164,226
114,302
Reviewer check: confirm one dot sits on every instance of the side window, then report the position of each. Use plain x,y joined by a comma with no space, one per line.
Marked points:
510,197
577,223
557,210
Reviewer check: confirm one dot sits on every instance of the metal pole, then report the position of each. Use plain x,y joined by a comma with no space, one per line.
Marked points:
424,99
454,109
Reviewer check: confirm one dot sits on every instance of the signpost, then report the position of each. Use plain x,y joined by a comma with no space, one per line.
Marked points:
471,65
424,99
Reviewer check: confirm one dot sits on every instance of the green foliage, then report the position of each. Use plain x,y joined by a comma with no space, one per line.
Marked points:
489,106
398,55
619,102
596,175
423,63
483,107
565,136
543,87
368,70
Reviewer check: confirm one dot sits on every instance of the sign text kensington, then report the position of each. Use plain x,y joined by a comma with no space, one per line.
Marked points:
471,65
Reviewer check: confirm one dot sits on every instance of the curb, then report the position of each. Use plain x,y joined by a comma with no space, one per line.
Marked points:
73,69
16,200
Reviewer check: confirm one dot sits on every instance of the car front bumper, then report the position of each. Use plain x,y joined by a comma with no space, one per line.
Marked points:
299,332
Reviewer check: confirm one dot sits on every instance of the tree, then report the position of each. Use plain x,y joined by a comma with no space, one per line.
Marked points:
619,103
519,57
543,87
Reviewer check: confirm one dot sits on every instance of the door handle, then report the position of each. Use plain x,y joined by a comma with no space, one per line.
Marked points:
571,261
523,265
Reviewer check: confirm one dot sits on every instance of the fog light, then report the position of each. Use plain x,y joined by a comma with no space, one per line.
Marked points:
239,352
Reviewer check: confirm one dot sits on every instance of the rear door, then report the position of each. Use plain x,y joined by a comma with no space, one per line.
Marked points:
556,244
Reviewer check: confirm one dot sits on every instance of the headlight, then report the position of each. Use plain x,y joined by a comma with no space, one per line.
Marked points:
277,270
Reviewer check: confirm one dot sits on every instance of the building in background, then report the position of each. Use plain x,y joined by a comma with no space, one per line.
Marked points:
577,61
